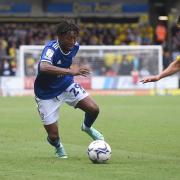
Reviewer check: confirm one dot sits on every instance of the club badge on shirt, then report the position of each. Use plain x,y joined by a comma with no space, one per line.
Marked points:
49,54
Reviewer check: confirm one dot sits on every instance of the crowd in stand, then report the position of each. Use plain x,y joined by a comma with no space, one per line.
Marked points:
116,34
12,35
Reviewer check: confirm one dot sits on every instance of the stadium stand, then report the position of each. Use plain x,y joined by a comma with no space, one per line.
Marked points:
15,34
99,30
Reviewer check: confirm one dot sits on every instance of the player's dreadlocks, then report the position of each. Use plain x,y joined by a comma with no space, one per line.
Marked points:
65,26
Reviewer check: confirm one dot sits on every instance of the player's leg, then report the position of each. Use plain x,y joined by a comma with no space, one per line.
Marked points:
49,112
91,110
54,139
76,96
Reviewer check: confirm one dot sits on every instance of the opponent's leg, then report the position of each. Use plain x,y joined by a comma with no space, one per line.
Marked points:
54,140
91,110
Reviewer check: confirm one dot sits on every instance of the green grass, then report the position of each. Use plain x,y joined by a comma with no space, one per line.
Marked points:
144,134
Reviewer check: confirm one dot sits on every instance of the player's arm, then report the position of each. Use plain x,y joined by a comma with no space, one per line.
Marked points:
46,67
171,69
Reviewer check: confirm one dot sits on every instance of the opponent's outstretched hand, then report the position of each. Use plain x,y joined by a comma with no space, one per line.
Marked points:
150,79
82,70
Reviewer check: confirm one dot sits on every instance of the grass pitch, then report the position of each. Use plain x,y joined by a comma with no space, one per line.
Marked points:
144,134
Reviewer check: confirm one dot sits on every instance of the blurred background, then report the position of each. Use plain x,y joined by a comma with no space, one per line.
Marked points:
122,41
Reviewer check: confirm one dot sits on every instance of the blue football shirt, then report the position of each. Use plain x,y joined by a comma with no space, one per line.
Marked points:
47,86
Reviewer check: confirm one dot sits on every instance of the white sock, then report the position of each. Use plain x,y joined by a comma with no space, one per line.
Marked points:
61,145
84,127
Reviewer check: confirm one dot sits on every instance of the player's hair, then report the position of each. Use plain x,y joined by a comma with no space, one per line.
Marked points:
65,26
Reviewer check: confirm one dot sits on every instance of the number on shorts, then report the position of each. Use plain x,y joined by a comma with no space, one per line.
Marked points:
76,88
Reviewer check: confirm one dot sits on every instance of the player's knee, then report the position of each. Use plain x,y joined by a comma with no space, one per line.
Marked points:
97,110
94,109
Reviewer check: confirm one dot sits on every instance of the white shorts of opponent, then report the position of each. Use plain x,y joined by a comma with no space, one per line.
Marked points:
49,109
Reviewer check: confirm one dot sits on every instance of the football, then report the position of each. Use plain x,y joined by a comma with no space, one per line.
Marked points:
99,151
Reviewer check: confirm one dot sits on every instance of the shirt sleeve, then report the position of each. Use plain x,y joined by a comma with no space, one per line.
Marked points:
178,58
47,55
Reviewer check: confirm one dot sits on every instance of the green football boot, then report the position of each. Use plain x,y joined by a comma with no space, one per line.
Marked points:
93,133
61,153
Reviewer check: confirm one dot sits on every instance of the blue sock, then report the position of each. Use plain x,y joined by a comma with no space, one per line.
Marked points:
56,143
89,120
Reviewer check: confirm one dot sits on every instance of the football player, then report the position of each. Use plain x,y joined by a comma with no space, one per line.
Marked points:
54,85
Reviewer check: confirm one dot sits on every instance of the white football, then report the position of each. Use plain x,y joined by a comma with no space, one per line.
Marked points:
99,151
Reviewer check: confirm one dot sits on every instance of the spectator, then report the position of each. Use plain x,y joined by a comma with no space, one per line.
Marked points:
126,67
161,33
115,66
166,58
2,48
6,67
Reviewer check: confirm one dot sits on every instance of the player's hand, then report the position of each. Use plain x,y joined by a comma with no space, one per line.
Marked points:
83,70
150,79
